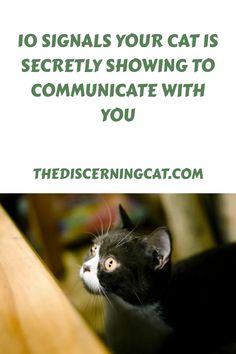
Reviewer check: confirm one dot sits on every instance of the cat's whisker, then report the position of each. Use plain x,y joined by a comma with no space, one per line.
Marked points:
89,306
120,242
126,241
102,305
86,305
94,235
123,240
137,297
109,216
93,308
106,296
72,280
101,225
69,291
98,232
99,312
133,238
125,237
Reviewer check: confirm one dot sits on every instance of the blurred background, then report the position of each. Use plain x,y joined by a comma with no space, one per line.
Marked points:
60,227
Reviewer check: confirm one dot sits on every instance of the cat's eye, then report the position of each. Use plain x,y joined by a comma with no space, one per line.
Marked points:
110,264
93,251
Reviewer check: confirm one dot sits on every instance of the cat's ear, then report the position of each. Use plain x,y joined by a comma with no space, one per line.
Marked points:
126,222
159,244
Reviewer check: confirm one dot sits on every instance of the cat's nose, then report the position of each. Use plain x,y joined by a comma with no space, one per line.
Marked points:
86,268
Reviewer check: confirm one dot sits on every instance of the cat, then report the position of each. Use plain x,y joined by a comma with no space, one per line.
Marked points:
154,306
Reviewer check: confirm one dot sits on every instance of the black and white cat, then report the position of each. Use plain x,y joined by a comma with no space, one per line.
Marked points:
155,307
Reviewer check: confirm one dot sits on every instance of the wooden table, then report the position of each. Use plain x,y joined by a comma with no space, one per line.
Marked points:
35,316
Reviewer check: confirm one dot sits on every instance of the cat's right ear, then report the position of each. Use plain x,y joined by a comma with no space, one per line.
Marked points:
159,245
126,221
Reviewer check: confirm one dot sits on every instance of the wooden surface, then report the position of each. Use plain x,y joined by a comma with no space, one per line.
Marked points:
35,316
44,223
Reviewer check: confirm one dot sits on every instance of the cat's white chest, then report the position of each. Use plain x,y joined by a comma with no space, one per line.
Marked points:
134,329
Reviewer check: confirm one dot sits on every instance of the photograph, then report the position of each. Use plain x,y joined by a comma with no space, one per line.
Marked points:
118,273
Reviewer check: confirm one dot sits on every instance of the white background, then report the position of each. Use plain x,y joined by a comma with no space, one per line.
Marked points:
69,132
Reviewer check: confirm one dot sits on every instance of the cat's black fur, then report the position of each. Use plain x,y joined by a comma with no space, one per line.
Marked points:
192,302
135,281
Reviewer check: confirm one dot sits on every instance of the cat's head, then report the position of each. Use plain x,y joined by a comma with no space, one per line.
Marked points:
129,265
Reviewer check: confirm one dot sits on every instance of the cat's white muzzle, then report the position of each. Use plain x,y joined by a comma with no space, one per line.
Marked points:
88,274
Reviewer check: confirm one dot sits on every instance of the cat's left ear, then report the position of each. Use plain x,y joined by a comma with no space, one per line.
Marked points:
126,221
159,244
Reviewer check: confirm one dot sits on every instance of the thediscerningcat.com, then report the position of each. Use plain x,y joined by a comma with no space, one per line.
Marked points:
118,173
